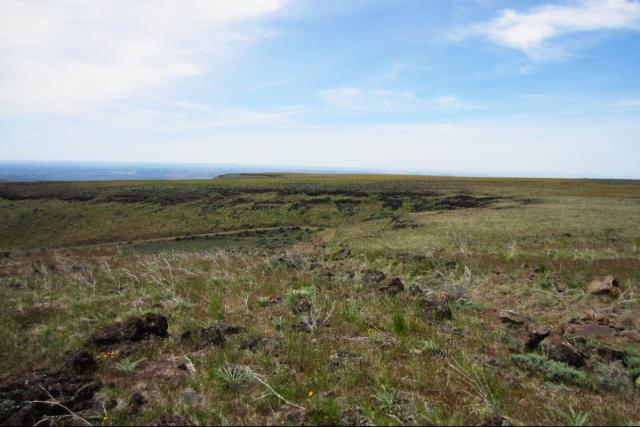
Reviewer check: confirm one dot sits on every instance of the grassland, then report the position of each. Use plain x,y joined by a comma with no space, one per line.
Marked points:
288,269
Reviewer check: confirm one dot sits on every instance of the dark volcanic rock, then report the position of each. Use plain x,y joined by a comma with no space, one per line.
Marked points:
496,420
610,354
288,260
556,347
354,417
82,362
132,329
373,277
72,385
136,402
166,419
436,307
211,336
511,317
607,285
589,330
268,345
301,306
391,285
344,359
535,335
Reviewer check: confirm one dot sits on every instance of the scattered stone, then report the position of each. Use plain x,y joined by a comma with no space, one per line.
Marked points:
511,317
344,359
268,345
556,347
631,334
607,285
296,416
354,417
593,330
496,420
304,325
610,354
269,301
166,419
419,288
83,362
535,335
227,329
436,307
65,384
204,337
342,254
136,402
289,260
373,277
391,285
132,329
190,397
498,270
301,306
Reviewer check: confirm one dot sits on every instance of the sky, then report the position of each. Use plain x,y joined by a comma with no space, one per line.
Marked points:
462,87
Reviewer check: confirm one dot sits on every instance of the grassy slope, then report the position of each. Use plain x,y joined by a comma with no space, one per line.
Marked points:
575,229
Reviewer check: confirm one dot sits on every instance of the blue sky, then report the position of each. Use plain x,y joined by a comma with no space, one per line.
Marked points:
484,87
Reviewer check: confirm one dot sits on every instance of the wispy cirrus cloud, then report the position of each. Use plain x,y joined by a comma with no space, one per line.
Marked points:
533,30
385,100
67,56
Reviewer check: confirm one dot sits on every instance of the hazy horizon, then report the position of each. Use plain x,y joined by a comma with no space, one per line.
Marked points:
71,170
544,88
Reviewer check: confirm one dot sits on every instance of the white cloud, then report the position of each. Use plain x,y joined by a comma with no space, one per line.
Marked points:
370,100
176,117
531,31
384,100
65,56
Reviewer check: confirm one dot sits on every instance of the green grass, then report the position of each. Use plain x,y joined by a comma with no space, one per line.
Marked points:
302,238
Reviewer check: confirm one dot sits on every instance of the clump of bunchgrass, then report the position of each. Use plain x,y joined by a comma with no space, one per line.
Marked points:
386,398
278,323
232,377
572,417
352,311
128,366
399,324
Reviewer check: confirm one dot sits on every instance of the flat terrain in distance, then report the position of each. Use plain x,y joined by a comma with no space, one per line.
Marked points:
321,299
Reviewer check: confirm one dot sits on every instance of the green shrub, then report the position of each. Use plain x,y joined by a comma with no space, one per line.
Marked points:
550,369
610,377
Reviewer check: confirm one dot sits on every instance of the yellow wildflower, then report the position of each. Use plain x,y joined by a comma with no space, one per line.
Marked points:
310,394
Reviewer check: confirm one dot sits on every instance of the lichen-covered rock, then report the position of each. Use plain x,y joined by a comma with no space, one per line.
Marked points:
354,417
436,307
391,285
556,347
606,285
